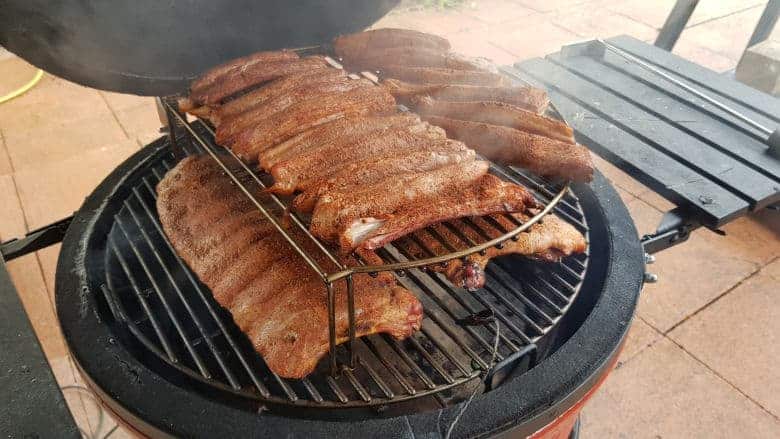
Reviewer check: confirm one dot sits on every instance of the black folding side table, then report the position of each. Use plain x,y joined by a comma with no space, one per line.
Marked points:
711,162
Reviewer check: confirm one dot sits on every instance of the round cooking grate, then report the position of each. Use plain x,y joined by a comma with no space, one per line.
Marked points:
167,312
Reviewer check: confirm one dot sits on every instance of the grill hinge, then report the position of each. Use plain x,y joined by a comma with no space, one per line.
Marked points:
675,228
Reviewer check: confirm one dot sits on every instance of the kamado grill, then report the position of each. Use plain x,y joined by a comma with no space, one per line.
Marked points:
518,357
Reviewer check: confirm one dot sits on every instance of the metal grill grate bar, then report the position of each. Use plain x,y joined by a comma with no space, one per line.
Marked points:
150,243
176,323
262,389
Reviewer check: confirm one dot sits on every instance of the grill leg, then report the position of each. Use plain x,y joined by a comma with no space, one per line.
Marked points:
675,23
170,124
332,329
351,314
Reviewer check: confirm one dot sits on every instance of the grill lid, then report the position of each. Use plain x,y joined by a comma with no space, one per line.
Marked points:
151,47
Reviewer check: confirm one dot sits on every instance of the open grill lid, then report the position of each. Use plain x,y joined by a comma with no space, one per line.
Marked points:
152,47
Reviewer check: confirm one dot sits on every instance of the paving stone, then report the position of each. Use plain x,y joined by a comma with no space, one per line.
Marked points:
550,5
476,44
57,140
5,160
618,177
26,276
528,40
711,10
760,67
625,196
727,36
66,376
689,281
652,13
665,393
123,101
65,102
640,337
703,56
498,11
48,260
67,182
140,121
16,72
12,218
598,22
431,20
652,198
739,337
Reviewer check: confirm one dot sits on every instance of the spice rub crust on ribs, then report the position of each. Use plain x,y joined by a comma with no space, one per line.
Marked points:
308,114
496,113
273,296
548,240
541,155
529,98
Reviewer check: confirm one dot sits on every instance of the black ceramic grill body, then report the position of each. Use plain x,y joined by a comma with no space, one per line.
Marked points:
158,401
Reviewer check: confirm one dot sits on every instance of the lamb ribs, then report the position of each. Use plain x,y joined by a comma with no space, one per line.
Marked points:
273,296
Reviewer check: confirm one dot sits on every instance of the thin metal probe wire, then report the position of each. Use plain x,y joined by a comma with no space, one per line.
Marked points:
724,107
466,404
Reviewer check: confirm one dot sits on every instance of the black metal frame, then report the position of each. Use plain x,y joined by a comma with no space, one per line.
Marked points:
683,9
27,383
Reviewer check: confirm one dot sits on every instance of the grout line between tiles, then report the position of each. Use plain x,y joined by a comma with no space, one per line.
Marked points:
76,381
635,21
709,20
49,289
501,49
113,113
767,411
623,361
720,296
7,154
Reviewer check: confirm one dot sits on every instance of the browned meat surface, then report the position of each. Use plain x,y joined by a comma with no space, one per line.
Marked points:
437,75
273,296
232,125
529,98
343,130
361,43
276,88
412,57
335,214
186,104
496,113
541,155
204,112
365,172
219,72
244,78
488,195
308,114
549,240
300,172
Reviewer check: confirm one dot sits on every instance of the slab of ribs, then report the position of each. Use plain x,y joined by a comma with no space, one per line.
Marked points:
274,297
363,173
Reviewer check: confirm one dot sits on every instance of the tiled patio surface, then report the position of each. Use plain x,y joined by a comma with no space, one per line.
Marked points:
702,353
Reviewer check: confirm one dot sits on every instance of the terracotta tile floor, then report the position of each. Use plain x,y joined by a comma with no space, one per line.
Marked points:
701,356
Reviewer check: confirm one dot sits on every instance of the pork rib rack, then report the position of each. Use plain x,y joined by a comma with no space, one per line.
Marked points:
273,296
